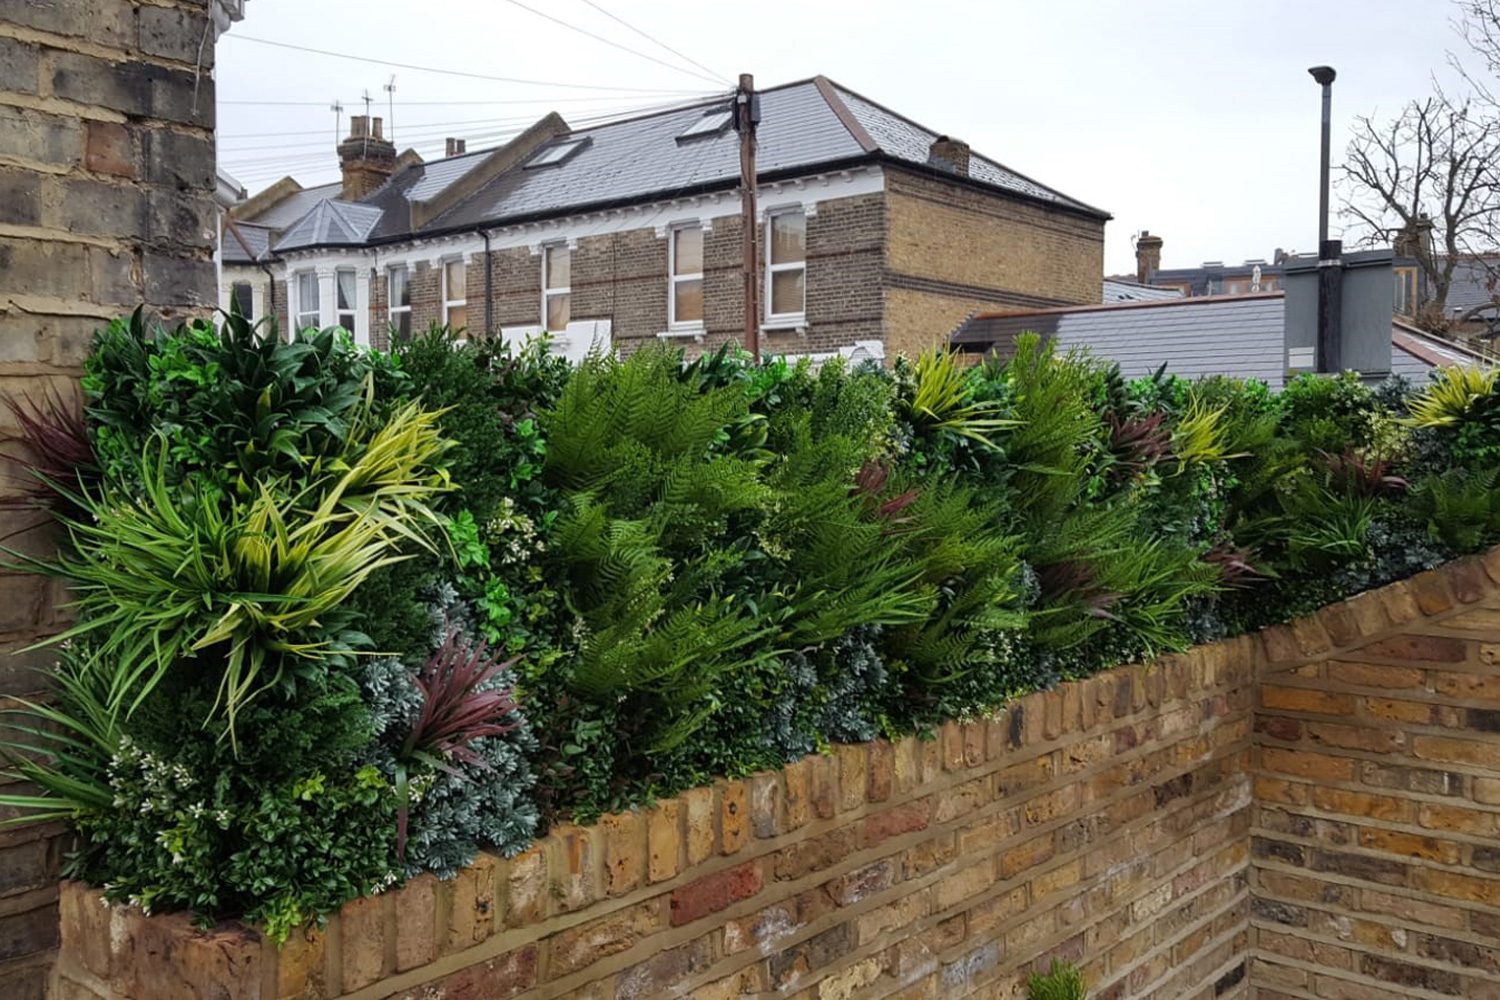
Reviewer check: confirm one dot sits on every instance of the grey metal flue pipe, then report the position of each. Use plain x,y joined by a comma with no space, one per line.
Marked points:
1325,76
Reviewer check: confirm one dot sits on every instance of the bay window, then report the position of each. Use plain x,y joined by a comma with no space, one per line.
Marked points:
344,298
308,312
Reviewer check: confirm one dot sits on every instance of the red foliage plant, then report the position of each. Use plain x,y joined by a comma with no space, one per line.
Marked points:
1364,475
459,705
55,439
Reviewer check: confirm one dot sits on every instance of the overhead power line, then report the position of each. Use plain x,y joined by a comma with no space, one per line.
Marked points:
515,100
452,72
710,77
657,41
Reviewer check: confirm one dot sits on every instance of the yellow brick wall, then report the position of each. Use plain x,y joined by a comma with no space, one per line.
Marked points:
954,251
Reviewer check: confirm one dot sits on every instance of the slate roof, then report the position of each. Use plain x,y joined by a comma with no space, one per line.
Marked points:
332,223
1237,335
1471,283
805,126
1120,290
294,206
255,246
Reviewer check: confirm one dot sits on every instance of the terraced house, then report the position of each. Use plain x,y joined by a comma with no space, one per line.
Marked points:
878,234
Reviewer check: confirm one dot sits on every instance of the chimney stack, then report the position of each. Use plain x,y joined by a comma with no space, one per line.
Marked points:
949,154
366,158
1147,257
456,147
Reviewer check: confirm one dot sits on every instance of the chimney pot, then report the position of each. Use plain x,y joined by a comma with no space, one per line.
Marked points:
949,154
456,147
1147,257
366,158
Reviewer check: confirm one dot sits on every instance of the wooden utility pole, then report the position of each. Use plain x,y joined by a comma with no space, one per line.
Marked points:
746,117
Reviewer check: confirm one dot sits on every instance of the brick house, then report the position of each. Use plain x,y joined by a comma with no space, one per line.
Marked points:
875,231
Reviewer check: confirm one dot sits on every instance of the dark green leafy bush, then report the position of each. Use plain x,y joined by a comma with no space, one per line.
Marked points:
429,601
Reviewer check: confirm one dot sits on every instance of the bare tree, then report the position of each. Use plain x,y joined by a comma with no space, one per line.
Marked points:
1428,179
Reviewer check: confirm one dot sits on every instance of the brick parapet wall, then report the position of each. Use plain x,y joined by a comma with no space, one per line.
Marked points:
1104,822
957,250
1377,749
106,203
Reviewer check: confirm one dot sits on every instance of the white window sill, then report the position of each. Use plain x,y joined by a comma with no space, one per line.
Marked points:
695,331
785,324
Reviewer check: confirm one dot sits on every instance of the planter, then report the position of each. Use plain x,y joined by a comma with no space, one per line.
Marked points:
1313,801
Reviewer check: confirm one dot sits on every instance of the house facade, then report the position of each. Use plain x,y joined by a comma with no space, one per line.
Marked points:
874,232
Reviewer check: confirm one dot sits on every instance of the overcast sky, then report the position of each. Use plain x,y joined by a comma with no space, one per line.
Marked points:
1194,120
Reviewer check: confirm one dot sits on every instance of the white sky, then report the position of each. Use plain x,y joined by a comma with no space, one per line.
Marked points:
1196,120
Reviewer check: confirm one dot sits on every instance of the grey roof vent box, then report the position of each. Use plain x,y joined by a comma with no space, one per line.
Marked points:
557,152
712,123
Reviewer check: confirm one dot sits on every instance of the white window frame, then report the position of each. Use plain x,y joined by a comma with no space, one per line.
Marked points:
673,323
299,278
353,311
393,311
799,317
549,293
450,304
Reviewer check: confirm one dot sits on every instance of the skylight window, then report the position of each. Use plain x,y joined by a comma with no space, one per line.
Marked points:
710,124
556,153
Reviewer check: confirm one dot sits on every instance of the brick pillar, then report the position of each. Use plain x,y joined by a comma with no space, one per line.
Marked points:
106,201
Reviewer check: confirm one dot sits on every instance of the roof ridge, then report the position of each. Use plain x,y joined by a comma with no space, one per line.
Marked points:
828,90
1137,304
980,156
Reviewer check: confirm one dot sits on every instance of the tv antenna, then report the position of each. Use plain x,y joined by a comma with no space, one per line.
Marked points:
390,114
367,99
338,109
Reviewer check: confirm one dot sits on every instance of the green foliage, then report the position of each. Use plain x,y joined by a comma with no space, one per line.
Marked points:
1062,981
1460,509
647,573
251,588
1451,395
236,405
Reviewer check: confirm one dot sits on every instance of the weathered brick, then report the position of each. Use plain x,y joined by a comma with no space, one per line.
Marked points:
1426,648
526,888
581,946
471,914
765,804
624,852
715,892
664,841
893,822
699,817
416,919
734,817
362,941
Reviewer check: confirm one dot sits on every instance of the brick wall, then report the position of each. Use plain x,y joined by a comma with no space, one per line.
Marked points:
955,250
1376,860
106,202
1104,822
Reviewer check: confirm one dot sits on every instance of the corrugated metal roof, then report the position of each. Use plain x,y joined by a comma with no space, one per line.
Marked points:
1238,335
